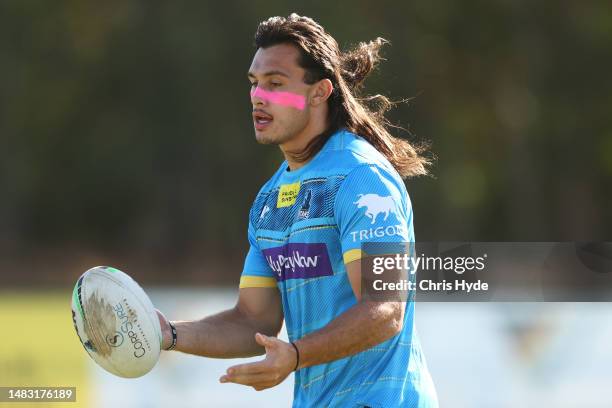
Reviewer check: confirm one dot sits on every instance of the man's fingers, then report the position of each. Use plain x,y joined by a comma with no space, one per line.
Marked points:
252,380
261,374
250,368
163,324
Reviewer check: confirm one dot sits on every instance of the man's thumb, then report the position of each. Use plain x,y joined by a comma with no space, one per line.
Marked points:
263,340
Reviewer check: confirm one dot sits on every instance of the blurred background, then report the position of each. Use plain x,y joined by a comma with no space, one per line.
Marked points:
126,140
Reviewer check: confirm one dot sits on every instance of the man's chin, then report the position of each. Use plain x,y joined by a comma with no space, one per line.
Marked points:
265,138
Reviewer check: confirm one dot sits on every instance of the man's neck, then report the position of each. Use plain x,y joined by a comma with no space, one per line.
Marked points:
293,149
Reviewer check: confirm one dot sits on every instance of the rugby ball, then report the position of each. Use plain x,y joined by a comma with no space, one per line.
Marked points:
116,322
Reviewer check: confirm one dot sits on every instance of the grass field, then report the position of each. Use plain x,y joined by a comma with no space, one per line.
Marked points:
39,346
518,354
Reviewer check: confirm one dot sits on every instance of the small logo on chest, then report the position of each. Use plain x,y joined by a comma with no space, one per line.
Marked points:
287,194
265,210
305,208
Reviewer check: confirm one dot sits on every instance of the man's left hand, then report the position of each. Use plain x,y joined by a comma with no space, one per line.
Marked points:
280,361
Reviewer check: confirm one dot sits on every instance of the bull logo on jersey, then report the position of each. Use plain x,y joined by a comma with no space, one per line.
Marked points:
376,205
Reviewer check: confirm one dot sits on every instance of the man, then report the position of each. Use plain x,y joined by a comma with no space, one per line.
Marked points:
340,186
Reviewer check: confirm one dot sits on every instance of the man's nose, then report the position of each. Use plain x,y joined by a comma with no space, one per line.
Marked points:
257,96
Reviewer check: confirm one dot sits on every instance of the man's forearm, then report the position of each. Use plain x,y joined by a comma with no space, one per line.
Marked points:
225,335
363,326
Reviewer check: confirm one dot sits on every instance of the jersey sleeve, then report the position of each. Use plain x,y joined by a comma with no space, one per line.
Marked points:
256,272
372,206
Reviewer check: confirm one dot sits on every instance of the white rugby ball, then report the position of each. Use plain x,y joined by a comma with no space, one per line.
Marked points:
116,322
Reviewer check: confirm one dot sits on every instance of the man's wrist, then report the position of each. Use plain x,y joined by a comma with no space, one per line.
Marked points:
174,336
301,348
297,357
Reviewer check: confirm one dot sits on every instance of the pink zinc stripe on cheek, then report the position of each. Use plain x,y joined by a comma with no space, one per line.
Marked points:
281,98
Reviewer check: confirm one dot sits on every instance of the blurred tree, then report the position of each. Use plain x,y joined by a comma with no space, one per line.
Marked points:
126,135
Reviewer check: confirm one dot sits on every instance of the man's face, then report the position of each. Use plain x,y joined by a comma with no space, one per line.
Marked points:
278,94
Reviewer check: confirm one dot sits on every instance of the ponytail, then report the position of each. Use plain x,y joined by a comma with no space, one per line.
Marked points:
357,64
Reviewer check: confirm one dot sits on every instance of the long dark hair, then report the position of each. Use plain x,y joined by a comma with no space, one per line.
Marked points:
365,116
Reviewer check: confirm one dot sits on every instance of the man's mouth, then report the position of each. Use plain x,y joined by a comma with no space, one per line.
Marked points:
261,119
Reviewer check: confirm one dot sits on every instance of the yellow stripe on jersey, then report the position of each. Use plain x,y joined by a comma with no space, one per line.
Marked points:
257,282
356,254
352,255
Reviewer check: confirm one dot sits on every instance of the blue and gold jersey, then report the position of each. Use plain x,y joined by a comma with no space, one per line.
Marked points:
304,226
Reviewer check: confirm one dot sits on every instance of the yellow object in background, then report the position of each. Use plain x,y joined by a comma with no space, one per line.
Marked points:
39,346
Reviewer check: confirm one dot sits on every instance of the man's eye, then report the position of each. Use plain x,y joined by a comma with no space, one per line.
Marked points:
276,84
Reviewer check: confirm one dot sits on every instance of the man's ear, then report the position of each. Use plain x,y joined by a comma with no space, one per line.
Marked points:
321,91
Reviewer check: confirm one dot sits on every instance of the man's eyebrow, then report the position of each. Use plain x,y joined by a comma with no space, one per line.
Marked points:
269,73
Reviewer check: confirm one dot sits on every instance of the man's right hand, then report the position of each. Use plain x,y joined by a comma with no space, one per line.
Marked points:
230,333
165,329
